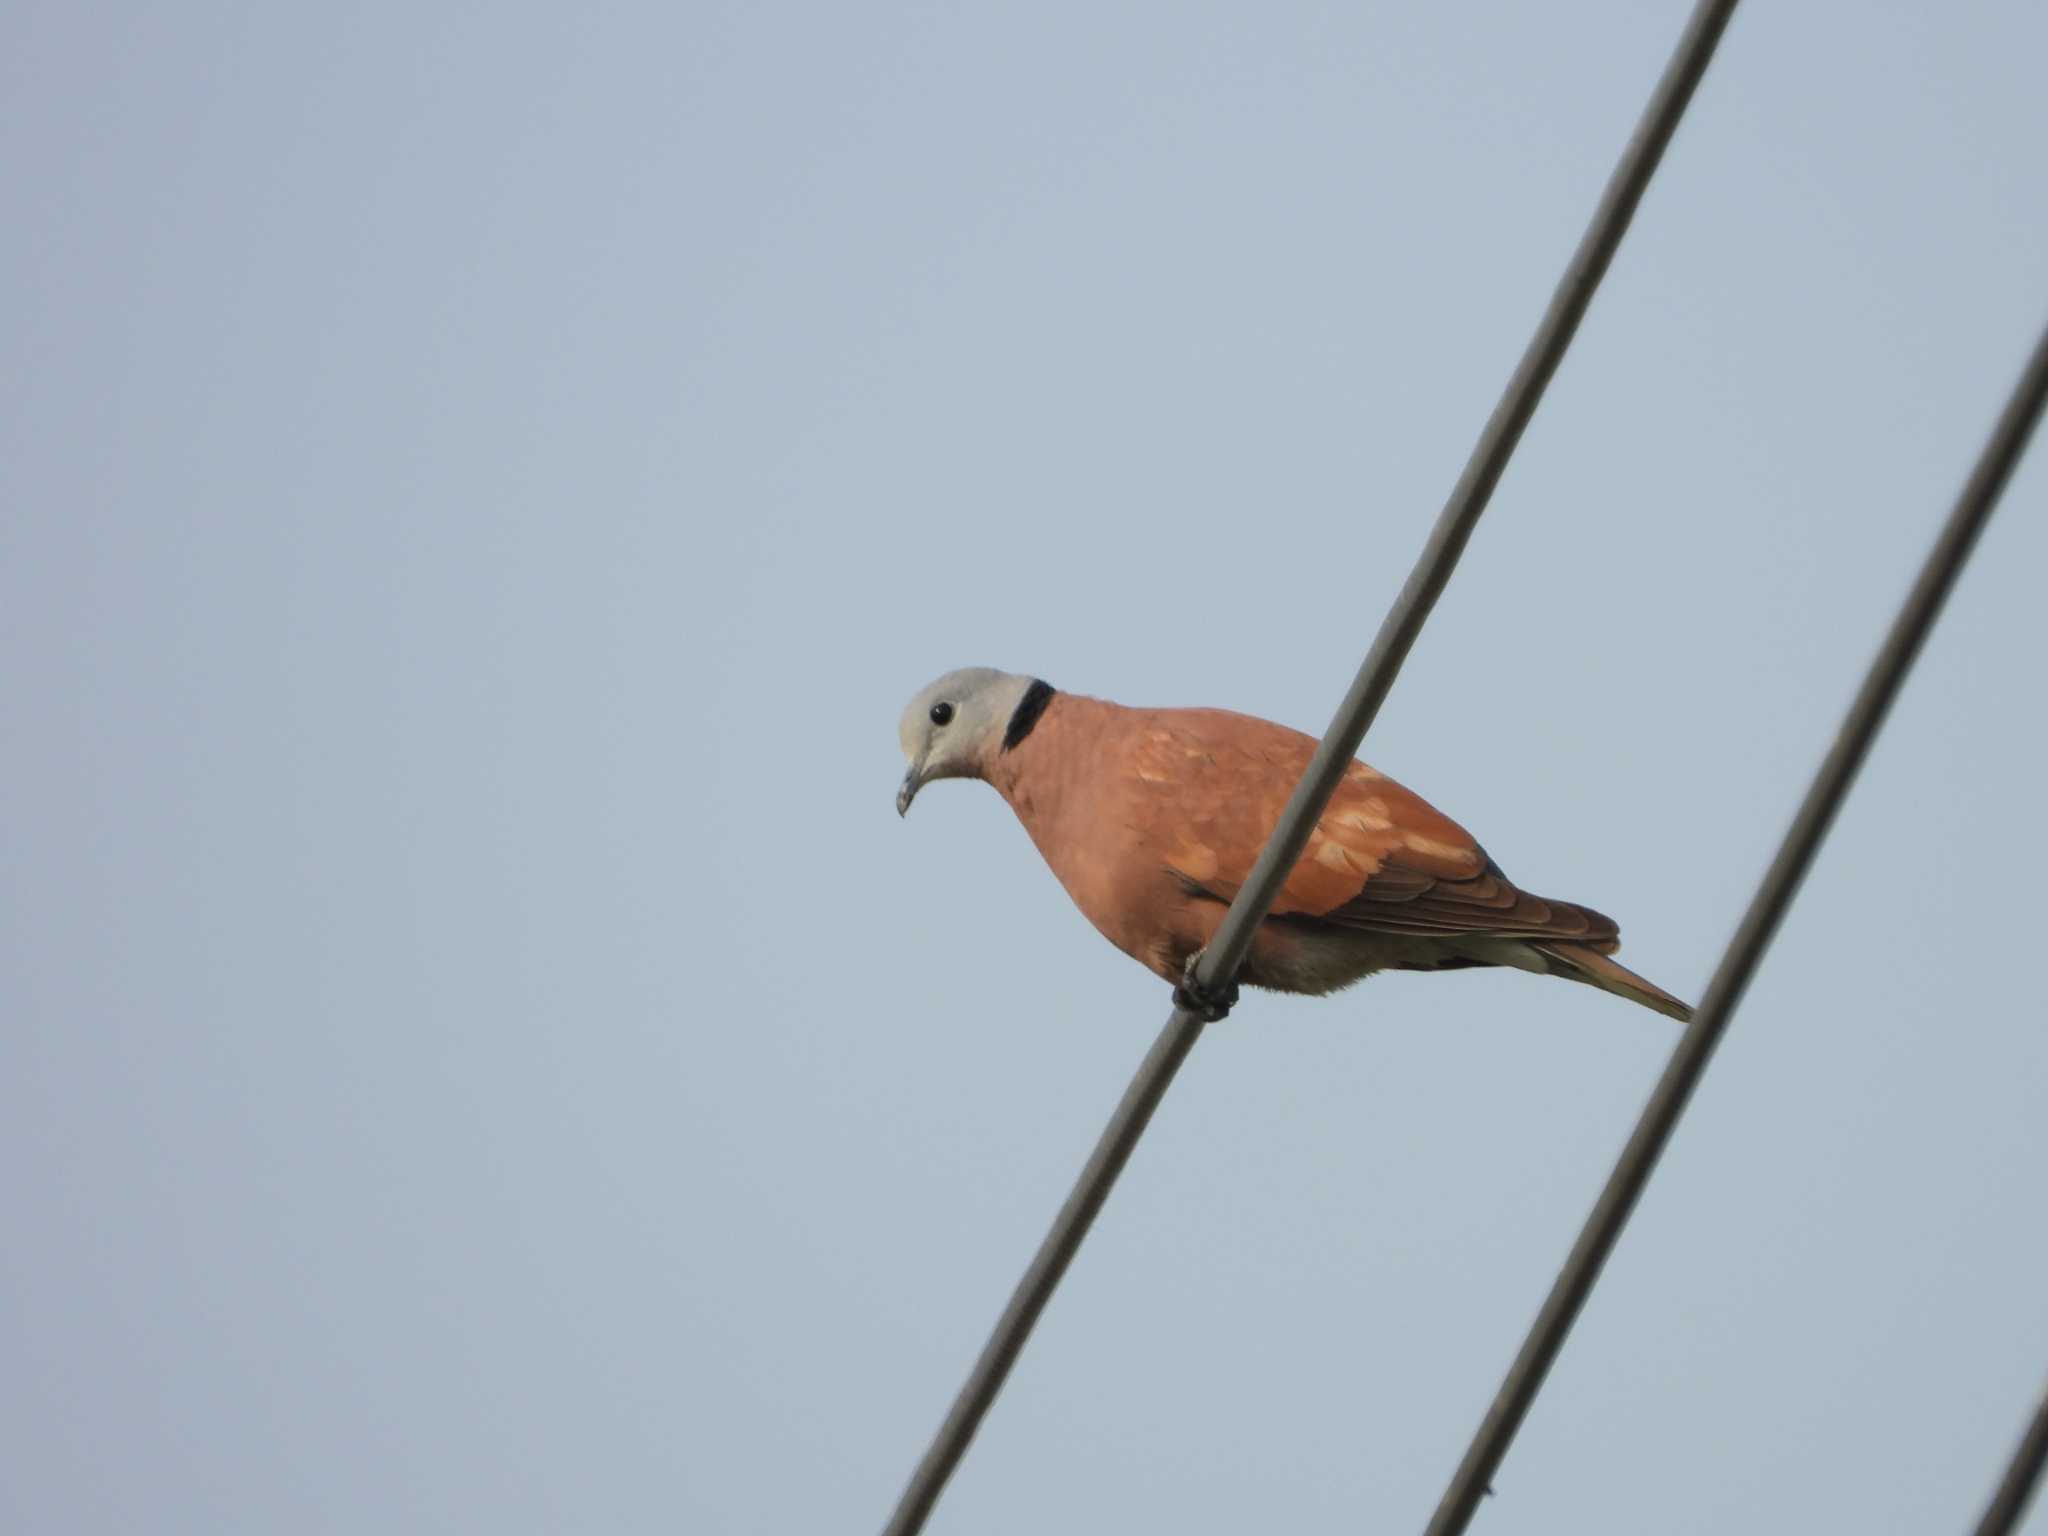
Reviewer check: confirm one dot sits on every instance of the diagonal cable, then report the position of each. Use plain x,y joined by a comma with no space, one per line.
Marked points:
1774,895
2008,1506
1468,499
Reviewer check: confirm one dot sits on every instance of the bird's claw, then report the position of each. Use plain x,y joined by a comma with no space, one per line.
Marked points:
1208,1005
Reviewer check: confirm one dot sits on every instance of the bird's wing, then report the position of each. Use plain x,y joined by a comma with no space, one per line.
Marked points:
1381,858
1486,903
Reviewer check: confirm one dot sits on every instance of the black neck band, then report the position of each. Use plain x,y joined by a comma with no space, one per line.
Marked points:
1029,708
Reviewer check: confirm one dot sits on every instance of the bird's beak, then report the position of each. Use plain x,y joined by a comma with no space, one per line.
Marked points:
913,781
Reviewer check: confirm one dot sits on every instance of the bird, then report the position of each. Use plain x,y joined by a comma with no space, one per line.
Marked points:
1152,818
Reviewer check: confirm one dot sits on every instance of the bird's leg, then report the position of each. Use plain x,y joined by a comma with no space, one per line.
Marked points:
1205,1004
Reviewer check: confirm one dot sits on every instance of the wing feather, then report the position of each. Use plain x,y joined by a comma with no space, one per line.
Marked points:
1381,859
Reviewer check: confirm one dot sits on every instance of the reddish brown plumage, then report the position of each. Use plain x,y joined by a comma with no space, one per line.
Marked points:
1152,818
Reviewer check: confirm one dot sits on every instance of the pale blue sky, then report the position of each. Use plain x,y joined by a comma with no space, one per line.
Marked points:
481,1052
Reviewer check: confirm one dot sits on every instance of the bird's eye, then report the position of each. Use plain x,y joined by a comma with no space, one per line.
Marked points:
941,712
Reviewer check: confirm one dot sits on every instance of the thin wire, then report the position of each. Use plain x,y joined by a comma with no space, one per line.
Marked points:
1474,489
1781,882
2008,1506
1375,678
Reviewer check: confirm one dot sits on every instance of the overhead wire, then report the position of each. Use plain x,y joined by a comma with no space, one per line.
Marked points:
1781,881
1225,954
2008,1506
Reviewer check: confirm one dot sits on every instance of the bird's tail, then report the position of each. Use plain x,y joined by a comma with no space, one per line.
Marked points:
1577,962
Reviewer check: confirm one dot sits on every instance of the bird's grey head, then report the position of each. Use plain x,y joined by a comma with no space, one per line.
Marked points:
956,726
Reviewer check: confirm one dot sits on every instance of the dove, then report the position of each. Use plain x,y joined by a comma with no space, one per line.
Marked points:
1152,818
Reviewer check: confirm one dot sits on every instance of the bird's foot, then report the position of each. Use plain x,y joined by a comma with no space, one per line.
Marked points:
1205,1004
